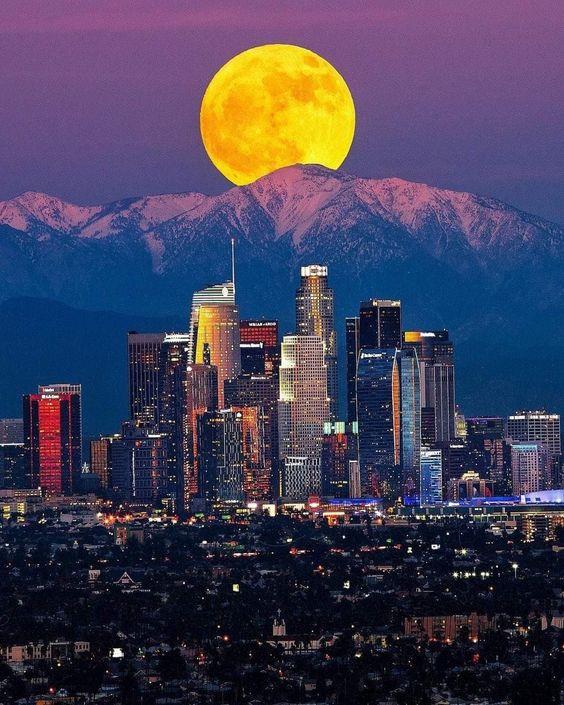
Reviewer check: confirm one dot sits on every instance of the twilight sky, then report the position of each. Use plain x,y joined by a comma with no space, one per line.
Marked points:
100,98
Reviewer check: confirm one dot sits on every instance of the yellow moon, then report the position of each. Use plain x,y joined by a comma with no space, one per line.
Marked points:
273,106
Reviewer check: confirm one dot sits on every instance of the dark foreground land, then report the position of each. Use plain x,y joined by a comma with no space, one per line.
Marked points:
278,610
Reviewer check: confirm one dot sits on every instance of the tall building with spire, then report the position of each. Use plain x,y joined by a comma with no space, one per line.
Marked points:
303,409
214,330
315,316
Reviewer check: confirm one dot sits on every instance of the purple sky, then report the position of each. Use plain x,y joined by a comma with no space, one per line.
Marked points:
100,98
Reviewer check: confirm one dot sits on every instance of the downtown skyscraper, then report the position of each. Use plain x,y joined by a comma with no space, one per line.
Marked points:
303,409
378,325
214,337
315,316
436,361
389,423
144,358
53,437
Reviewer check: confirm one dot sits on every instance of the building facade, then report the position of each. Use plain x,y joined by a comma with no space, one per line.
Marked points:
303,409
144,356
315,316
53,437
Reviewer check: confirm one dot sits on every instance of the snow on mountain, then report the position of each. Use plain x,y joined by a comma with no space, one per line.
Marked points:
45,214
297,201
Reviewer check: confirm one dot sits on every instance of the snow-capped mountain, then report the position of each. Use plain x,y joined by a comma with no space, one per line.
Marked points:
446,251
488,272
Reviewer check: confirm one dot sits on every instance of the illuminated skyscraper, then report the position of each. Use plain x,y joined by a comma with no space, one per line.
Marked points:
410,423
216,294
218,332
171,408
315,316
260,392
53,437
303,408
256,468
435,354
352,343
260,352
536,426
340,447
144,355
220,456
101,459
529,467
545,428
489,451
378,408
380,324
139,465
431,491
200,396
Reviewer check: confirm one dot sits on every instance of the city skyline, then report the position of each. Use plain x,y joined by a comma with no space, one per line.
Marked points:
282,323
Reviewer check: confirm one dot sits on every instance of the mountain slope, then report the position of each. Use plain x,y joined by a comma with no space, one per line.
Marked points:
487,271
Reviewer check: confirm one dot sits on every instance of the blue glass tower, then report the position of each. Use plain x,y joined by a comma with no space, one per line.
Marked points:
378,408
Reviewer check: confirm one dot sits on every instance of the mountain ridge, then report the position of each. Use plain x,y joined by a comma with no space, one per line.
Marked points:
486,271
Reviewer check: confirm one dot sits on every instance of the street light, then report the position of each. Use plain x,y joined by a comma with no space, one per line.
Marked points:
515,566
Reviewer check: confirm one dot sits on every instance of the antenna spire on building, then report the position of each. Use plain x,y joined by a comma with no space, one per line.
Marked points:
233,264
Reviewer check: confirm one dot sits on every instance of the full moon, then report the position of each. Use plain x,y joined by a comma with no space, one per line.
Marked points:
273,106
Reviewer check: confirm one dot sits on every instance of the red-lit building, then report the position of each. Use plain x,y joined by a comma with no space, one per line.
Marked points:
53,438
260,353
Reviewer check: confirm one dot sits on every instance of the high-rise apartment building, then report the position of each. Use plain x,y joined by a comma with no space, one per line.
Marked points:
315,316
380,324
339,449
435,355
352,344
260,352
144,356
303,409
53,437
